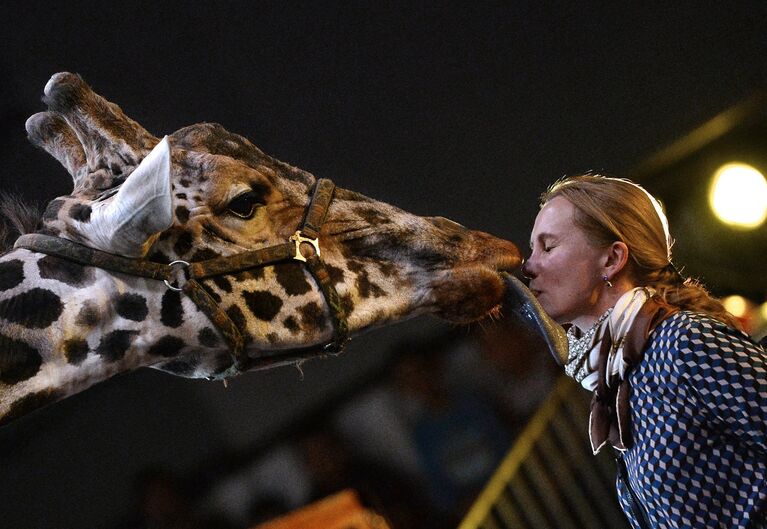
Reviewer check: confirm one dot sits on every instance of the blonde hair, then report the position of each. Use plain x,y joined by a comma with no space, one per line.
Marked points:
614,209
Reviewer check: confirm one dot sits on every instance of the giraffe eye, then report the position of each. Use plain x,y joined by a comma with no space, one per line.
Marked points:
244,205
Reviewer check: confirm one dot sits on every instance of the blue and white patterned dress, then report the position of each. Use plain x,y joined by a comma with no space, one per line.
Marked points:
698,411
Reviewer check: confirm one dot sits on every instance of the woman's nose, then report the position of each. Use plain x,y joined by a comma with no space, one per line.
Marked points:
527,268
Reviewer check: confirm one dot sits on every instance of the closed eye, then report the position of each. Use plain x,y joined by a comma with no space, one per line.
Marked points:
245,205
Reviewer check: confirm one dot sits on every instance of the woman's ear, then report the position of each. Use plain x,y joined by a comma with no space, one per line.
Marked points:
617,256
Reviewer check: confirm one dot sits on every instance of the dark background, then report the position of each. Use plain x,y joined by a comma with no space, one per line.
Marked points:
465,112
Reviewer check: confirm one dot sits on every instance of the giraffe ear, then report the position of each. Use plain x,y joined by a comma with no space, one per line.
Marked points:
127,223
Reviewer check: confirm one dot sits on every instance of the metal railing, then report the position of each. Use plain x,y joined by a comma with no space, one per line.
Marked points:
549,478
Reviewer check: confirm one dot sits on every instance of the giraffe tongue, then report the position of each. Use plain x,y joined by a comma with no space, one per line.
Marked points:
518,300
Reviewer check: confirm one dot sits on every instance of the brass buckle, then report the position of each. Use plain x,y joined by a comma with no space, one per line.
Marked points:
297,238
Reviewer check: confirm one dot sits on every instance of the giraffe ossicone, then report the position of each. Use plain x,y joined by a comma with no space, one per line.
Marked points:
199,194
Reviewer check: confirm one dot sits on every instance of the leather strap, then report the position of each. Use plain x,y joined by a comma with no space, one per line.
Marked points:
232,335
311,226
318,208
337,310
86,256
242,261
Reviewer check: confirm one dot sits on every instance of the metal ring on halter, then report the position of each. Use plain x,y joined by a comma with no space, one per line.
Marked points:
297,238
177,289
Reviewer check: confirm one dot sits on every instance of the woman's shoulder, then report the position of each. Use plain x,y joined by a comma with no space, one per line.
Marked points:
694,332
697,323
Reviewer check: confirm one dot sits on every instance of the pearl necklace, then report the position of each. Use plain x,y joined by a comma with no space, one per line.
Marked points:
579,347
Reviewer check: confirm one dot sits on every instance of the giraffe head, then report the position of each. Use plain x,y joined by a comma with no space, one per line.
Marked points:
204,192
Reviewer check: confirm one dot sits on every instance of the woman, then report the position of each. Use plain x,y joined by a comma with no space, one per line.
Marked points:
679,392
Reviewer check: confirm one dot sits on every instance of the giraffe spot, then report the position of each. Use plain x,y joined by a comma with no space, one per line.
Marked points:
181,196
238,318
222,282
29,403
183,244
236,315
171,310
178,367
387,269
312,316
167,346
203,254
131,307
52,211
291,324
18,360
264,305
75,351
371,215
376,290
58,269
272,337
365,247
292,278
253,273
355,266
336,274
88,315
158,257
427,258
184,182
81,212
207,337
114,345
347,304
11,274
35,309
367,288
182,214
101,179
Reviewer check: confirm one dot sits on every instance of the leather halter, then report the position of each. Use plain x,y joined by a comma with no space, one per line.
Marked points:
193,272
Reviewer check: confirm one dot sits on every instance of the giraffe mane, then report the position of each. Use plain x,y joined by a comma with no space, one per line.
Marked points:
18,217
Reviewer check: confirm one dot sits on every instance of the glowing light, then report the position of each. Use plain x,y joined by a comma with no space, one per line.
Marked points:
738,195
736,305
763,311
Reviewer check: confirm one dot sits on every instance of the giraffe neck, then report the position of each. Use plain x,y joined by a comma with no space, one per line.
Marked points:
65,327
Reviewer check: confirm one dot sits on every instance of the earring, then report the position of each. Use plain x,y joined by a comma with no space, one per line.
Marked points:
607,281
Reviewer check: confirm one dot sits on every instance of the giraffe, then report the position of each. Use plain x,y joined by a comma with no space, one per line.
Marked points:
199,195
